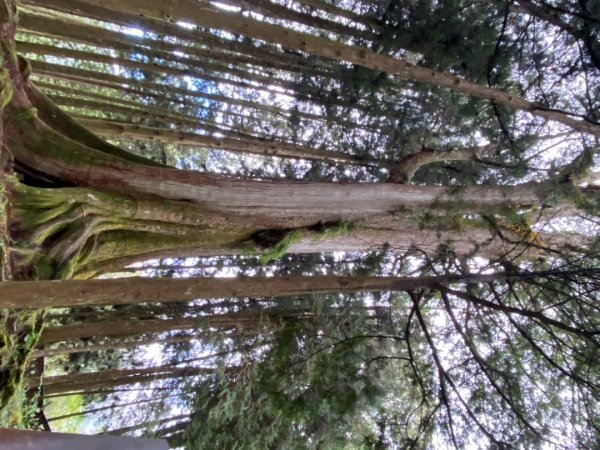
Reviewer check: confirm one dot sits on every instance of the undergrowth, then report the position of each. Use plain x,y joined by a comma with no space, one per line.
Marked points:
19,334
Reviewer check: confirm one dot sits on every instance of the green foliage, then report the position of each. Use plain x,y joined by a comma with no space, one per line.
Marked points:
306,391
6,88
28,113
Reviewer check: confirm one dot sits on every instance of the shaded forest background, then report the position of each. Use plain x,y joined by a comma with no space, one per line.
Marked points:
302,224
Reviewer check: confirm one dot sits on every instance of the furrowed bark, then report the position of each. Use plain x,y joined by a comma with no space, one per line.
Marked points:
271,204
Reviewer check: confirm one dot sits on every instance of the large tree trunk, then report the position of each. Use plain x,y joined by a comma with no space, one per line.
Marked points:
125,209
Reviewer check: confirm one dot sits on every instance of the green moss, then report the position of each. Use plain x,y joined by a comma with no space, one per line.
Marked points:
339,229
28,113
6,88
61,406
20,332
448,222
281,247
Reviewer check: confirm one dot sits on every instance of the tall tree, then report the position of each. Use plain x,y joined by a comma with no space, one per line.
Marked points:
457,110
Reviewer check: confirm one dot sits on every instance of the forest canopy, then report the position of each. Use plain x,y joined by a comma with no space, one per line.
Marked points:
297,224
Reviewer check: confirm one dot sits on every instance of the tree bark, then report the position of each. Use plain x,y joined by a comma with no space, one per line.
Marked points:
245,320
148,425
252,145
264,204
149,89
64,350
216,74
119,291
83,382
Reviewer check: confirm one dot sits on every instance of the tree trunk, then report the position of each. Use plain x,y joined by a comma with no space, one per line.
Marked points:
148,425
275,11
20,439
149,89
83,382
245,80
103,408
125,209
85,330
341,12
102,37
169,28
120,291
64,350
204,14
254,145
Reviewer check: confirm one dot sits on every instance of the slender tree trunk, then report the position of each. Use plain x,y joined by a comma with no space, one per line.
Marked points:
204,14
162,27
103,408
151,389
244,320
341,12
178,65
245,80
149,113
148,89
48,352
275,11
119,291
101,79
137,102
243,145
149,424
103,38
83,382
